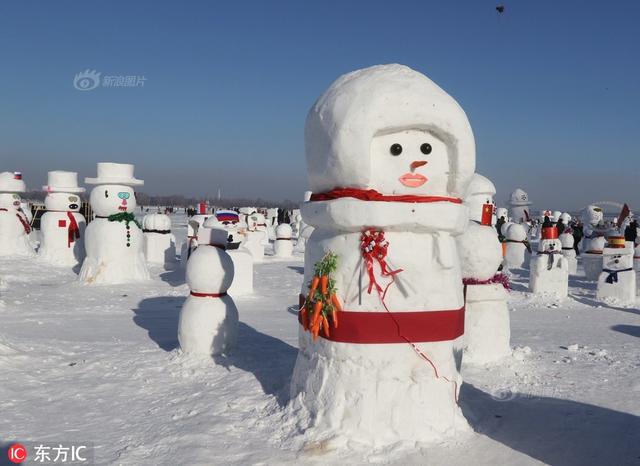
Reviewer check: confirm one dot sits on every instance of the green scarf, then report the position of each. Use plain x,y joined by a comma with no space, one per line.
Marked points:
124,217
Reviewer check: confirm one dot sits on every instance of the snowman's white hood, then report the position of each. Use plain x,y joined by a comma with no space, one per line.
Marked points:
376,100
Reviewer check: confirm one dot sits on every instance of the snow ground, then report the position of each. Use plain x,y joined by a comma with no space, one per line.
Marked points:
100,364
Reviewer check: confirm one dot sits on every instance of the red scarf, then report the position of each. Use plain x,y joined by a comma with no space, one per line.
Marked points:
73,232
373,195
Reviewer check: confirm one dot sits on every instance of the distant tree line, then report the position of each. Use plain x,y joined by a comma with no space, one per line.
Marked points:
177,200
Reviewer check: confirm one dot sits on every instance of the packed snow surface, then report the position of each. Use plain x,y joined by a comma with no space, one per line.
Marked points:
101,364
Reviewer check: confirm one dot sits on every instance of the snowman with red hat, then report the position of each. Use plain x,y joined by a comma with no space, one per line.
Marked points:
14,224
114,240
389,156
617,282
549,269
62,225
487,328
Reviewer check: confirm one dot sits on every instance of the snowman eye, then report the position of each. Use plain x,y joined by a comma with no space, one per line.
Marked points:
395,149
425,148
106,193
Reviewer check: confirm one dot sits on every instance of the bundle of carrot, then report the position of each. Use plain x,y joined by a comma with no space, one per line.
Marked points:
321,302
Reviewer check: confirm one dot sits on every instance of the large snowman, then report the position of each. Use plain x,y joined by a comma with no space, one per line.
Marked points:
389,156
114,241
62,225
14,224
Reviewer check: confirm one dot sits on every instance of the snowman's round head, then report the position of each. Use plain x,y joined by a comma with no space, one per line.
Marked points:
110,199
480,192
10,201
284,230
519,197
391,129
549,245
592,215
480,252
256,221
158,222
62,202
209,270
566,218
502,212
516,232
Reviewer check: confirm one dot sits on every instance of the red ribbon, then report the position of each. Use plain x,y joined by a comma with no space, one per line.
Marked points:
497,278
374,246
373,195
397,327
25,223
73,232
208,295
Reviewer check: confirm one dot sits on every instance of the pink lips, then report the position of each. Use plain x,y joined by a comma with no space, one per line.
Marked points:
413,180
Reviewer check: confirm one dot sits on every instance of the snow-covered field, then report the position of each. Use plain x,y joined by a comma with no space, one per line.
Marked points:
100,365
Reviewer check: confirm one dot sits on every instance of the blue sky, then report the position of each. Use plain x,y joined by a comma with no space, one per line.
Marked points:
552,88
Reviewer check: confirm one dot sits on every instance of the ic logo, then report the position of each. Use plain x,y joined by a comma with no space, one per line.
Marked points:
17,453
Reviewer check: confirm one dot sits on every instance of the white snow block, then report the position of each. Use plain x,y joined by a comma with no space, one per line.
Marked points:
243,272
208,322
159,242
487,328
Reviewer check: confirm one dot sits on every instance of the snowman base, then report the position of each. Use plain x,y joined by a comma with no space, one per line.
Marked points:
376,394
487,324
159,248
208,326
621,292
592,265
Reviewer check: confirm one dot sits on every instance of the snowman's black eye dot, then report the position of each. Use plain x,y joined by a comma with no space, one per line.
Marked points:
425,148
106,193
395,149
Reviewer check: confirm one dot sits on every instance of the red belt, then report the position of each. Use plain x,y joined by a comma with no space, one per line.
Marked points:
397,327
208,295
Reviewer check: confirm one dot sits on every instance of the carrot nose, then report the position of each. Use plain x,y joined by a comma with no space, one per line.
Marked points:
417,163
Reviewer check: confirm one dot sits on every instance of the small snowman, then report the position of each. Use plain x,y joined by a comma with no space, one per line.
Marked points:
549,270
517,250
114,241
617,281
209,318
487,327
593,242
519,206
159,242
283,245
62,226
568,251
242,259
256,235
194,227
14,224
